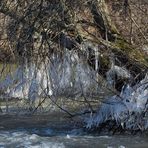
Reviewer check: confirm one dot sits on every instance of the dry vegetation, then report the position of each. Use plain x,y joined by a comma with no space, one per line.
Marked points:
33,30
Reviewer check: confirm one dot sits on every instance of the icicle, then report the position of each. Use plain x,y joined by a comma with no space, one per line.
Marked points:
67,75
130,111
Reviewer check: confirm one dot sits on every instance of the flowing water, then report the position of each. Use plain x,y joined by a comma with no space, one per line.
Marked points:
50,138
53,131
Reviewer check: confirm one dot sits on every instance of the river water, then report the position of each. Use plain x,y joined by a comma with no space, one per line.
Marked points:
49,138
58,131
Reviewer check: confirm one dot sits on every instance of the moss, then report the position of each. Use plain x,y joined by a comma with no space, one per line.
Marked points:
104,60
104,64
131,52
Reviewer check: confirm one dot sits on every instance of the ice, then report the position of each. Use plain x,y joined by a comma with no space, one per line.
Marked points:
66,75
128,110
